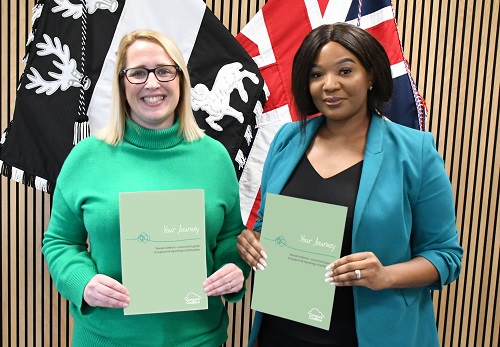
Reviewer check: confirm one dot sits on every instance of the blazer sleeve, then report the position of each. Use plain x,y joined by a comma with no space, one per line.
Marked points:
434,235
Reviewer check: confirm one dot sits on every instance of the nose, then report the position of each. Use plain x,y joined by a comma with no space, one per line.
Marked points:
331,82
152,81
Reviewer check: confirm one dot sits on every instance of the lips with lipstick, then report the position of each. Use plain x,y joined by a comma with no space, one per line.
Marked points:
333,101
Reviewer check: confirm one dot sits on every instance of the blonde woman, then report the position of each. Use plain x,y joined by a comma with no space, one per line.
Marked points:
152,142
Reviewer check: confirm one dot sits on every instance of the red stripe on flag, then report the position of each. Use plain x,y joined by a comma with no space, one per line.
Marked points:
322,6
285,42
386,33
249,46
276,82
253,214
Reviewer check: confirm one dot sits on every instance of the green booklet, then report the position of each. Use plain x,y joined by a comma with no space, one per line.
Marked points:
163,246
301,238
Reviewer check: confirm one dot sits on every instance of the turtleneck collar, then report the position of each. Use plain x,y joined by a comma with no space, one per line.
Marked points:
150,138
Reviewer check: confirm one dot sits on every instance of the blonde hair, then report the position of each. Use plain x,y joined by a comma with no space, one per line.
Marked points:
114,131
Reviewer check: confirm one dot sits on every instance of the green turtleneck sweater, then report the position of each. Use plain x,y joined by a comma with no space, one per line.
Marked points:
85,208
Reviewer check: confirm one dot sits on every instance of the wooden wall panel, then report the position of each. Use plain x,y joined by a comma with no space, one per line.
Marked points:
453,50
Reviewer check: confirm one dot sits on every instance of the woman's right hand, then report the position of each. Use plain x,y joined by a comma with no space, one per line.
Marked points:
104,291
250,249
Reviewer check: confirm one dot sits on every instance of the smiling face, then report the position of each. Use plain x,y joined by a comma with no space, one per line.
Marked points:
152,104
339,83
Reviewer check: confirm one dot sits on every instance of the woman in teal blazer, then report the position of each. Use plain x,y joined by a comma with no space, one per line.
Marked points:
402,233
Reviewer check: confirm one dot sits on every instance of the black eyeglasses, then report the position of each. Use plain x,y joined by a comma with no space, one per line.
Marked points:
139,75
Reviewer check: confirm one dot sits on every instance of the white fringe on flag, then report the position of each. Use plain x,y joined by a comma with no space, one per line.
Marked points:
81,130
17,174
40,184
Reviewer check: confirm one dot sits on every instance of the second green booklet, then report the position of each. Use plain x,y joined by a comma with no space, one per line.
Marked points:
301,238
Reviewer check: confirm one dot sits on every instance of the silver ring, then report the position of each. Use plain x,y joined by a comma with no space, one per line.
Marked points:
231,284
358,274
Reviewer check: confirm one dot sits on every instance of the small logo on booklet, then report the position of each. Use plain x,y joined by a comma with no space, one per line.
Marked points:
193,299
316,315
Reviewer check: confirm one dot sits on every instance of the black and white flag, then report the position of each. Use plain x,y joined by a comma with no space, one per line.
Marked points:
64,92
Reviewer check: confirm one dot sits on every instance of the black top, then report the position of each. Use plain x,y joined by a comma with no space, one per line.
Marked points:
340,189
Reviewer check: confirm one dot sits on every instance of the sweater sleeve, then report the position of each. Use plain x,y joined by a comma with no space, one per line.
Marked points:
65,242
434,224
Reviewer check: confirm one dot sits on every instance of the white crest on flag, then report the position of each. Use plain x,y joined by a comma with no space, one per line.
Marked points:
76,11
94,5
215,102
336,11
248,135
69,76
240,159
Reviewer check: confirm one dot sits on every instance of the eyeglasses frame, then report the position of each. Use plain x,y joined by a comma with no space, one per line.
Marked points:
124,73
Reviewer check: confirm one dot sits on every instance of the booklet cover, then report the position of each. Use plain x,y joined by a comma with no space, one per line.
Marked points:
301,237
163,245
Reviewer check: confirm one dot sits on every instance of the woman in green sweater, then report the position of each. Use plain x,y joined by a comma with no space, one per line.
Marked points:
152,142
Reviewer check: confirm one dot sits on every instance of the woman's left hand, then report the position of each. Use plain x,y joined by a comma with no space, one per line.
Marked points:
228,279
358,269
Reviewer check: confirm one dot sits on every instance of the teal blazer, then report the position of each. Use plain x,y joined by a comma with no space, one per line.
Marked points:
404,209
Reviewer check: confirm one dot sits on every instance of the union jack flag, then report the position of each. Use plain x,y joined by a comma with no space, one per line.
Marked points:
273,36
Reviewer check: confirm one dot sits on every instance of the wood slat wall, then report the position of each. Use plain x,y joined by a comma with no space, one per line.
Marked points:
453,50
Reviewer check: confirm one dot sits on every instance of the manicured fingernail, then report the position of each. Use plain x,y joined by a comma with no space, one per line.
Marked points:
329,267
329,279
254,269
263,262
335,284
263,253
260,266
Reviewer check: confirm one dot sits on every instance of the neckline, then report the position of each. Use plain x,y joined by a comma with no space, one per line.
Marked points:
151,138
343,172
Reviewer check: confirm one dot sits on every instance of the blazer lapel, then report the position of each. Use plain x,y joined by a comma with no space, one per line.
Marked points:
372,162
295,149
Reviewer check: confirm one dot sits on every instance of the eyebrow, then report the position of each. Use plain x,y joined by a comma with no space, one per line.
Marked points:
341,61
158,65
